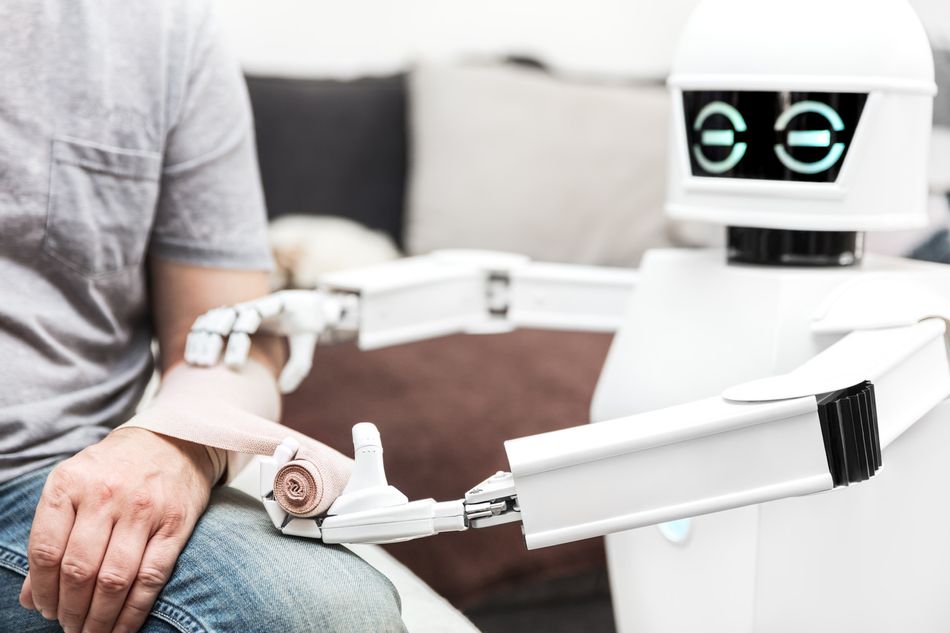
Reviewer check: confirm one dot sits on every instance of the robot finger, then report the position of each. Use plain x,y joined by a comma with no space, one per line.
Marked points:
218,321
248,319
299,362
239,347
203,348
247,322
266,308
206,340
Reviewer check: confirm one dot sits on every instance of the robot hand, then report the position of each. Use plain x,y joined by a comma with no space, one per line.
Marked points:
370,510
300,315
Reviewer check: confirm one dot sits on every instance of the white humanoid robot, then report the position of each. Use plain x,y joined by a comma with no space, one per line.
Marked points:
786,366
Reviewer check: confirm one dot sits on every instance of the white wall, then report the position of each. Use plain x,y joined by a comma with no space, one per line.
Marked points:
350,37
935,15
341,38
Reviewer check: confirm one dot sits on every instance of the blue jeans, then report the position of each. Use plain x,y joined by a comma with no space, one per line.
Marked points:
236,574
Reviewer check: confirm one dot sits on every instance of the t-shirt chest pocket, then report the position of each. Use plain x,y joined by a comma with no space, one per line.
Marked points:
101,206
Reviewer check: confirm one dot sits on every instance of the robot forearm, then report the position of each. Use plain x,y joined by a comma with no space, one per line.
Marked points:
758,445
821,426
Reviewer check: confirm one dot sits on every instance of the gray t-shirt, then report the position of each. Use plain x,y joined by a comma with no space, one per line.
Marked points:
125,133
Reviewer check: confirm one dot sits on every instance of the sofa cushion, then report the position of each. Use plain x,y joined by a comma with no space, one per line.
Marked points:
511,158
333,147
444,408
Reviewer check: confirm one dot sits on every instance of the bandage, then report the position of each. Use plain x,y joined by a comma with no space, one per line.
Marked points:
229,410
296,488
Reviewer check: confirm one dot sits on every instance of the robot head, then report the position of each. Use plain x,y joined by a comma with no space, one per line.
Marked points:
810,116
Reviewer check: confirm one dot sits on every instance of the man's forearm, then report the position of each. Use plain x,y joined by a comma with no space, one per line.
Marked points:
189,396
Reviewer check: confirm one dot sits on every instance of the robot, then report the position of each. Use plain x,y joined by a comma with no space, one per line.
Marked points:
765,453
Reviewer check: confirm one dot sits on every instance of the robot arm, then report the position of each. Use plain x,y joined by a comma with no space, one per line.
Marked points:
414,299
809,431
822,426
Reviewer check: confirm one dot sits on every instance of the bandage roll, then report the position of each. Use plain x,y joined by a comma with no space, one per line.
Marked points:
327,469
298,488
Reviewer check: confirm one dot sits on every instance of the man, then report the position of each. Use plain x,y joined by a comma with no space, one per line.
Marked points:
130,204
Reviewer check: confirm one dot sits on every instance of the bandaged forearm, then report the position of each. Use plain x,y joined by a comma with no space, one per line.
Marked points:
232,412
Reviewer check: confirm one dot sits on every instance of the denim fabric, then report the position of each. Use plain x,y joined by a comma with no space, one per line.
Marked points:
235,575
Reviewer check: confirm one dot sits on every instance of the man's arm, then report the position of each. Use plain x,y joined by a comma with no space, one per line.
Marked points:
112,520
181,293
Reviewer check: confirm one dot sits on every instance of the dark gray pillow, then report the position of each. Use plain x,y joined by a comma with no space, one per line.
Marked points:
333,147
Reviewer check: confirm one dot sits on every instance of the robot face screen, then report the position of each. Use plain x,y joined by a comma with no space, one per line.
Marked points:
792,136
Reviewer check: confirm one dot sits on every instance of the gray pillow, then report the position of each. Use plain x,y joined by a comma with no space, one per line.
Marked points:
513,159
940,147
942,104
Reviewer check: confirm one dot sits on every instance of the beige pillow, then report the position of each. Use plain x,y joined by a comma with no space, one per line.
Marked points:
511,158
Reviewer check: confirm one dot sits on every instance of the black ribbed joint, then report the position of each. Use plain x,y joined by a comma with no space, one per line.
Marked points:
849,428
782,247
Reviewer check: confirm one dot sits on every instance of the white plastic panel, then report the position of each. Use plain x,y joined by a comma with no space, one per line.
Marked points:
863,355
913,387
415,519
907,365
413,299
879,300
672,463
568,297
450,292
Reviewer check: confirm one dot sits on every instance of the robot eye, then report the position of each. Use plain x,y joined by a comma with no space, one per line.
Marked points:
717,125
820,137
790,136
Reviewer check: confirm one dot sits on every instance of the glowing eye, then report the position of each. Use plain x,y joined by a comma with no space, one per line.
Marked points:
810,138
719,138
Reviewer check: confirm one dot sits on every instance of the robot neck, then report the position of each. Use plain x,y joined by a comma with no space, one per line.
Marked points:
782,247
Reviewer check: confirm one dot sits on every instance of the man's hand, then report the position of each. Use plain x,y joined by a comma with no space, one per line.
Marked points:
109,527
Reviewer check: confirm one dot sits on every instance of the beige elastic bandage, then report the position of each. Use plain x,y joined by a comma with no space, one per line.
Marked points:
225,409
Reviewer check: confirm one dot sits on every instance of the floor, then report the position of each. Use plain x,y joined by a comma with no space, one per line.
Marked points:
562,606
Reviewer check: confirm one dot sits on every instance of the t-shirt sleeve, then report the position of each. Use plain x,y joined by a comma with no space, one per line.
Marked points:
211,207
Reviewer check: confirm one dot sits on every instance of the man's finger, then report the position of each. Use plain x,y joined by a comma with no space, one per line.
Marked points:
26,594
52,523
80,568
117,573
155,571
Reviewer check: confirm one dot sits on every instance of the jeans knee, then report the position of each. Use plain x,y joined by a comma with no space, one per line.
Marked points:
342,597
374,608
362,599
